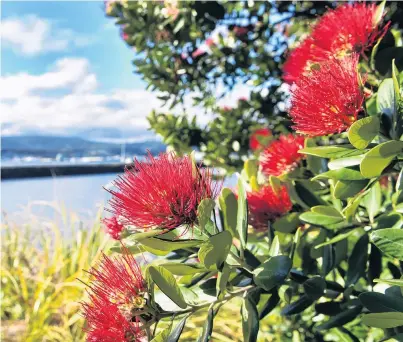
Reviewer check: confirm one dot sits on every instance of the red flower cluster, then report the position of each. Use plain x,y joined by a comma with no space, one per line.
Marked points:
255,141
113,227
282,156
162,192
107,324
267,204
116,292
302,59
328,99
347,29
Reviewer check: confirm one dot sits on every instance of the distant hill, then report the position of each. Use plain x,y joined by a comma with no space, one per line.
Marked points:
66,147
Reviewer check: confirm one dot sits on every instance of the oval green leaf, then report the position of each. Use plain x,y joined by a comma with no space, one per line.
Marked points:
389,241
214,251
347,189
383,320
167,284
273,272
377,159
242,215
363,131
228,205
314,287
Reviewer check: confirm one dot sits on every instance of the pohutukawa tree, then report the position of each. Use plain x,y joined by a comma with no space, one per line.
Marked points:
310,241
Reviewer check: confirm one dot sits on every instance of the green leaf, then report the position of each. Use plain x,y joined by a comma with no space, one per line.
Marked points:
340,319
341,249
378,302
306,193
163,247
335,239
395,338
357,262
386,97
328,308
141,236
204,211
383,320
363,131
353,204
228,205
179,25
314,163
208,327
242,215
162,336
326,210
297,307
346,189
285,292
274,247
397,282
314,287
330,152
372,201
272,272
378,158
389,220
328,260
399,181
287,224
177,331
320,219
222,279
346,162
167,284
378,14
250,320
214,251
341,174
270,304
251,167
183,269
389,241
395,78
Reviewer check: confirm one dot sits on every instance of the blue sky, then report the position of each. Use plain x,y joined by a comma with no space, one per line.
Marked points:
68,46
106,51
66,70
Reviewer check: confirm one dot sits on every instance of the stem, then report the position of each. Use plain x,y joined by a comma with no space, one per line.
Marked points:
195,308
241,262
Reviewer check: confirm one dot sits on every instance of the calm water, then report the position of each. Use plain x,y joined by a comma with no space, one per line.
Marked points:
51,198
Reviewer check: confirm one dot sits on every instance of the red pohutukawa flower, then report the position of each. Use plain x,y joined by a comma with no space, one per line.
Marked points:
113,227
162,192
348,28
301,59
329,99
267,204
118,279
106,323
255,141
282,156
117,291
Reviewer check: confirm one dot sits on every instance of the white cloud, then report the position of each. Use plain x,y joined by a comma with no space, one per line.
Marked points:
32,35
66,98
30,100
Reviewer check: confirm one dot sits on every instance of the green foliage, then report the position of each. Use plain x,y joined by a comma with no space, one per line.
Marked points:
40,292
